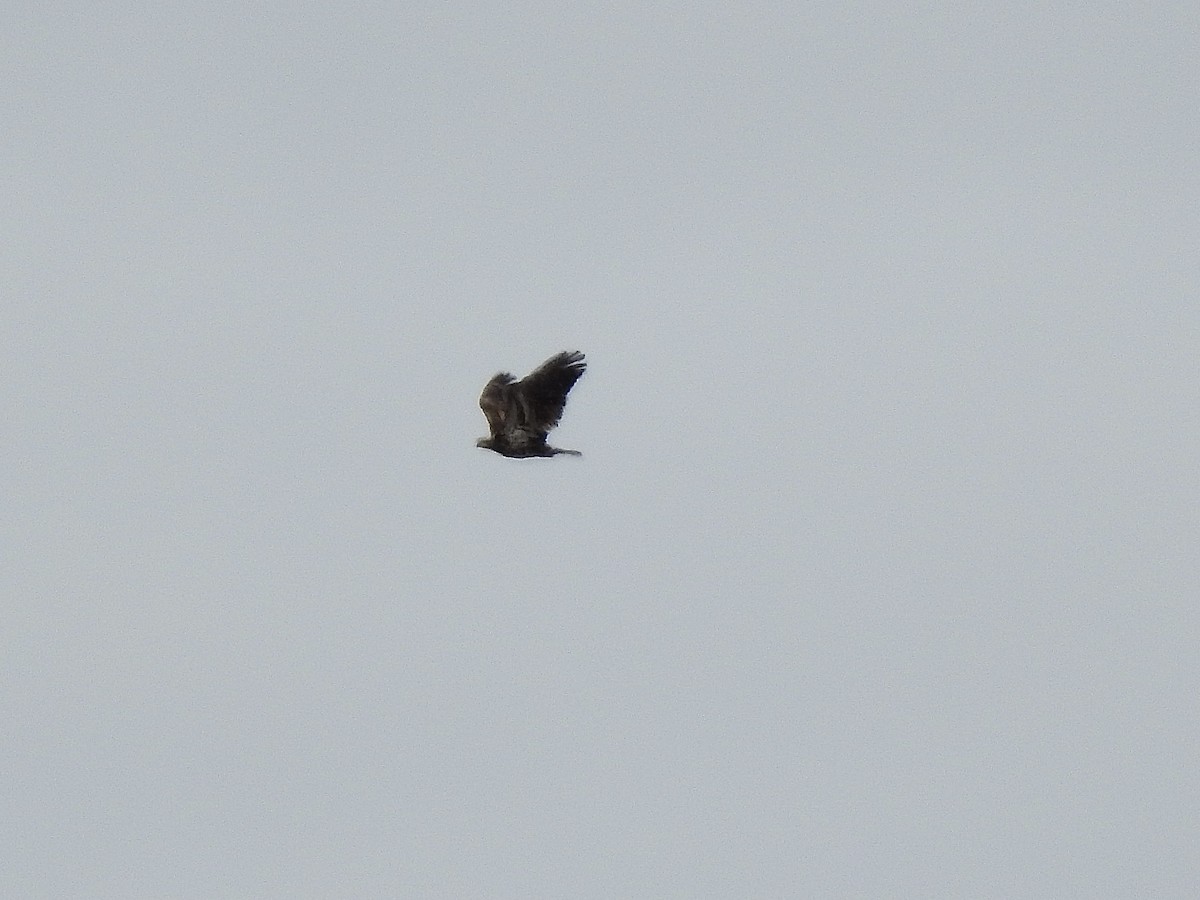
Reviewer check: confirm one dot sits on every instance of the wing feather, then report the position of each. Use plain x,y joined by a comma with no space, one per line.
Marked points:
542,394
496,402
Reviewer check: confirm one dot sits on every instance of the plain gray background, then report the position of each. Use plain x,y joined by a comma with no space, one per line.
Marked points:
878,575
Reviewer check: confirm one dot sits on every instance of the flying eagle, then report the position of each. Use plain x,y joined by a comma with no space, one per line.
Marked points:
521,413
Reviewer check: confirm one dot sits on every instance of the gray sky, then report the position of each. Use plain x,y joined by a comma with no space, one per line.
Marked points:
878,575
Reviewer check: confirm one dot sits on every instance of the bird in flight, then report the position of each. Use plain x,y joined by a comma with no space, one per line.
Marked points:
521,413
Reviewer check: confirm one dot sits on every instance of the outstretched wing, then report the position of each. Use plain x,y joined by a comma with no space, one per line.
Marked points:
496,402
542,393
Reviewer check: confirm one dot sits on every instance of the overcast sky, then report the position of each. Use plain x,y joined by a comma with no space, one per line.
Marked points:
877,578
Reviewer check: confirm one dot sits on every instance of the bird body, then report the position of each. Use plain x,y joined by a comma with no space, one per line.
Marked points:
521,413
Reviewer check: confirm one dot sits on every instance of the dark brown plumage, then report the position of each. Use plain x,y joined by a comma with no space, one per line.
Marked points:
521,413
